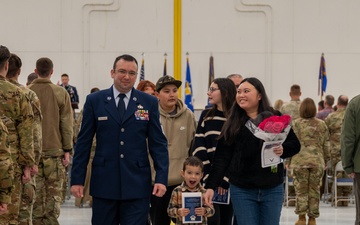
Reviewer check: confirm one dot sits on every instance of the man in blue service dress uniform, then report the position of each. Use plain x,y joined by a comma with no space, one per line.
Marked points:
125,121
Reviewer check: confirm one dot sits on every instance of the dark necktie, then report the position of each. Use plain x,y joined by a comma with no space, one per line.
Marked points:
121,105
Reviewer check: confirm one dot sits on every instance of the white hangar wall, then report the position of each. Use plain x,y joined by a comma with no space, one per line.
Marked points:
278,41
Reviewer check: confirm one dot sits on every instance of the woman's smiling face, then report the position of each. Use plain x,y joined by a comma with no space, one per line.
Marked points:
248,97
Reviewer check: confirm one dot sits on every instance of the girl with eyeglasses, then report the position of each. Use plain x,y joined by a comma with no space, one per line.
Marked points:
221,94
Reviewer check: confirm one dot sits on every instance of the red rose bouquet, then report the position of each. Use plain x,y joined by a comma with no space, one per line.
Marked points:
275,124
273,130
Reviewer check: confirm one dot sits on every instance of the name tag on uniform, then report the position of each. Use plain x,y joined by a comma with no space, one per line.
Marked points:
102,118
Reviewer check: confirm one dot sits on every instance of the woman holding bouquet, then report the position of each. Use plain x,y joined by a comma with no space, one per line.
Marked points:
308,166
256,192
221,93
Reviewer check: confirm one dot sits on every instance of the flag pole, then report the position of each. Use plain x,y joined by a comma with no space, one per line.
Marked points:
165,70
142,69
177,74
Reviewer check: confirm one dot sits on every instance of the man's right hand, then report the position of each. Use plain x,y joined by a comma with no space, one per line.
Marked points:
208,197
34,170
3,208
26,175
77,191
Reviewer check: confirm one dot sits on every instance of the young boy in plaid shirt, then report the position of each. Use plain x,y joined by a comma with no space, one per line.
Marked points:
192,173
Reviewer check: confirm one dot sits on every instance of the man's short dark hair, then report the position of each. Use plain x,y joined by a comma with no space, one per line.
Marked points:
95,89
234,75
329,99
4,55
44,66
343,100
295,89
31,78
321,104
125,57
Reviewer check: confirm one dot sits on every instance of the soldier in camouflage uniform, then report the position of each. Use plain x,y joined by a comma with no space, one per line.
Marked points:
6,169
309,164
292,108
79,202
28,192
57,131
17,115
334,122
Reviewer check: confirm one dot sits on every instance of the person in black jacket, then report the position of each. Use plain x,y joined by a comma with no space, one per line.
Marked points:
256,192
221,93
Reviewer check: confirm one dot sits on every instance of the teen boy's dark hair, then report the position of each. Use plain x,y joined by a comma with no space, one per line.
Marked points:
193,161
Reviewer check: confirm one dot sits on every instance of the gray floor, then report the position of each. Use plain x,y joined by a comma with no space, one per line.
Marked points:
71,215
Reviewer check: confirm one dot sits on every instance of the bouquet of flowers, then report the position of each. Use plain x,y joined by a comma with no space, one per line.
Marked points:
273,130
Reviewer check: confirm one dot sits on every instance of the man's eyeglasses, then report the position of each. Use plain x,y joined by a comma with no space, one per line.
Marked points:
212,89
124,72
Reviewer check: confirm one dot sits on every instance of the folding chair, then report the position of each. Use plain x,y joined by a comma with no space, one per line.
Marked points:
340,182
288,182
328,181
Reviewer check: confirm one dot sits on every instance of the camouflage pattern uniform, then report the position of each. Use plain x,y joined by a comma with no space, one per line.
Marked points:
28,192
334,122
79,202
308,165
6,168
57,137
291,108
18,116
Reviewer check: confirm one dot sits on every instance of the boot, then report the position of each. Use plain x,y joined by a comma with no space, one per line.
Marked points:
301,220
312,221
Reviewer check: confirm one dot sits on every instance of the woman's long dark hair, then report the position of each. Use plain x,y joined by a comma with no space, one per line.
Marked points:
238,116
228,94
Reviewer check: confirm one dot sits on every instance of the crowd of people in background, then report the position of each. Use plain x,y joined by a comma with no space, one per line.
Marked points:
137,150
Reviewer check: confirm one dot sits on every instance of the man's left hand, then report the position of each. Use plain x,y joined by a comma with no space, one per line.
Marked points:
159,190
66,159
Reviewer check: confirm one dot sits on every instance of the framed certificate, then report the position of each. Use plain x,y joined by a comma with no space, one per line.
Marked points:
192,200
221,199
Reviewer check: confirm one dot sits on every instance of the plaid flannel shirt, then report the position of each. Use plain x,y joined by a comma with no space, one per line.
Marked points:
176,203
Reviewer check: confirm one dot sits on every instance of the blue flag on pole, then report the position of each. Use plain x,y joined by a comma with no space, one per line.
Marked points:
188,87
322,77
142,70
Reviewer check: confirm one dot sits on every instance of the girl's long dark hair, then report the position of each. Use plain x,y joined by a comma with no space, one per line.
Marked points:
228,94
238,116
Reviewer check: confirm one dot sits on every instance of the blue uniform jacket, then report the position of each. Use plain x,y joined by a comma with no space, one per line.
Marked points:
121,168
